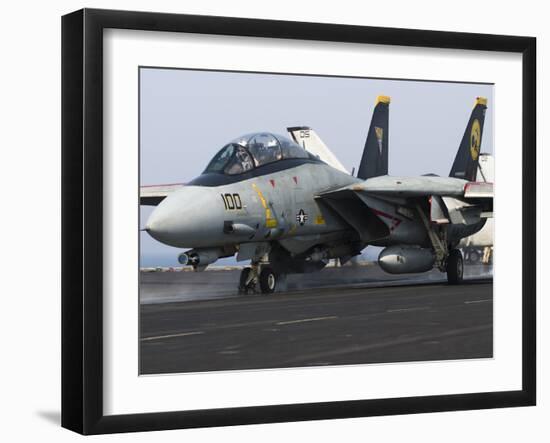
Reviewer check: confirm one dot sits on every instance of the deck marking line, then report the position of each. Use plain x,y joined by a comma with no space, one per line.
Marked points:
477,301
183,334
304,320
408,309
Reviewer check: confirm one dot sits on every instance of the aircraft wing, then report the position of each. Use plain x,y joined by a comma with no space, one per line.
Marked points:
425,186
392,199
152,195
412,186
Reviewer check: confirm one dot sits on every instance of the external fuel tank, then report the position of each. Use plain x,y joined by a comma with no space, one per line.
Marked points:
403,259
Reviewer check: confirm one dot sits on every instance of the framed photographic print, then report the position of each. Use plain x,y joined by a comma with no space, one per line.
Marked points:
269,221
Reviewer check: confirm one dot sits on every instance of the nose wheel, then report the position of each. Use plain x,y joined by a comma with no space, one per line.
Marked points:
257,277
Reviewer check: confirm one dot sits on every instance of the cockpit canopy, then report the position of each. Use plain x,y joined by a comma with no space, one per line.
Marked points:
254,150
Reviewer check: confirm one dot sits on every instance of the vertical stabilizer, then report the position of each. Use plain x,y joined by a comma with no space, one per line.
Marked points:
374,161
466,161
311,142
486,168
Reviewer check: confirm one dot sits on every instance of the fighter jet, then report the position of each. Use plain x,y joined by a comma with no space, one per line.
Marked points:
269,201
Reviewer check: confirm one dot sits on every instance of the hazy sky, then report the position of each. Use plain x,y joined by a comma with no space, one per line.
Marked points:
187,116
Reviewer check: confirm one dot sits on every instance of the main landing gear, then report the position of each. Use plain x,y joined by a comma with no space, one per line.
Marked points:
455,267
258,275
450,262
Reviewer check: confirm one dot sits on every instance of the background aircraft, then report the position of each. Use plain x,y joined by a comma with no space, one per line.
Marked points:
478,248
267,199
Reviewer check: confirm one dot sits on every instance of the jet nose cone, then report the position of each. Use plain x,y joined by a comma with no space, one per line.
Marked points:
187,218
154,222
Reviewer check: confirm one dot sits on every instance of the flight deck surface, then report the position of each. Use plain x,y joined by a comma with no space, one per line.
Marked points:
195,322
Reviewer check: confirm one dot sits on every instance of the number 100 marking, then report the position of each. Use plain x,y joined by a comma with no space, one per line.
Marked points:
231,201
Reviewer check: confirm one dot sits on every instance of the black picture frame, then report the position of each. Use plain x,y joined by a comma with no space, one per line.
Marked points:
82,186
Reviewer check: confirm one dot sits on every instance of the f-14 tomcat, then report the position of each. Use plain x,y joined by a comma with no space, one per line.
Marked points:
272,201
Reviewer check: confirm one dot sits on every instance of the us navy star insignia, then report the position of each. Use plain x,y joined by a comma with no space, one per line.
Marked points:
301,217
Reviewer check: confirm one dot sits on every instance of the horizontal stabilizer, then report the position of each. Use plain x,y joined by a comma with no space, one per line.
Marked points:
152,195
478,190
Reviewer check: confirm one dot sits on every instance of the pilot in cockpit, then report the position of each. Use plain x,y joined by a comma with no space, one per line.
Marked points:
253,151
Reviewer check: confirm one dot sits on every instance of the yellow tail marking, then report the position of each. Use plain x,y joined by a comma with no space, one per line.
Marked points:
475,139
319,220
382,99
481,101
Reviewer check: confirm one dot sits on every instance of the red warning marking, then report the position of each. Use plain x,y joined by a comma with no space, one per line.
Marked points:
295,179
395,222
272,182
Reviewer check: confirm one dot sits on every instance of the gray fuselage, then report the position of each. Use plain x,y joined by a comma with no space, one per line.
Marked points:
279,205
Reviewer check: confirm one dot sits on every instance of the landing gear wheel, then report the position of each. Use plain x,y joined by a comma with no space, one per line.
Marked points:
243,285
268,280
455,267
